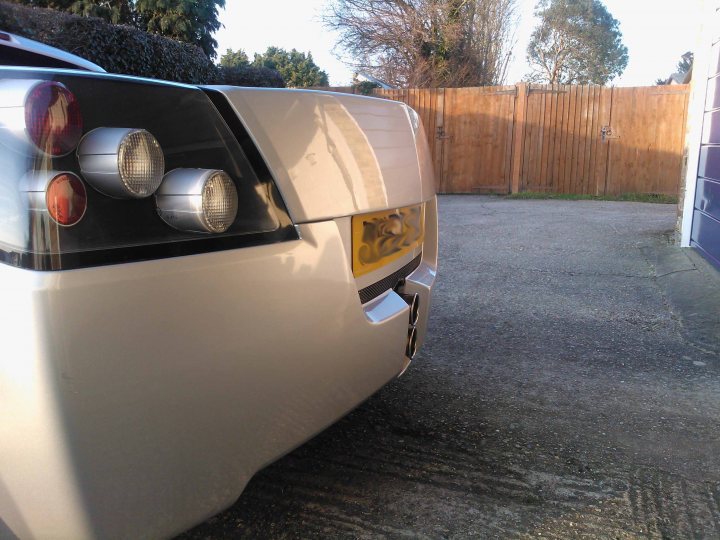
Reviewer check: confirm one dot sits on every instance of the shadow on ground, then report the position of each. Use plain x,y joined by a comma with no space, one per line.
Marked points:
558,395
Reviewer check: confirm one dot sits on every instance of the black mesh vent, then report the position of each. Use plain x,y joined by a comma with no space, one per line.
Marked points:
376,289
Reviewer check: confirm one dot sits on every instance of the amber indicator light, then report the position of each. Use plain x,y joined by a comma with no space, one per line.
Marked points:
66,199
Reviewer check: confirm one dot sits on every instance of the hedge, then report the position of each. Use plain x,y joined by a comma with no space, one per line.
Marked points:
250,76
124,49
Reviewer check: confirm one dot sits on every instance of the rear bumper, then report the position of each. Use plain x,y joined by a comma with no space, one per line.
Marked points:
137,400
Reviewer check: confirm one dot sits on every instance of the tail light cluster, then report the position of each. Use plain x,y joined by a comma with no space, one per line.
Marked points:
169,175
118,162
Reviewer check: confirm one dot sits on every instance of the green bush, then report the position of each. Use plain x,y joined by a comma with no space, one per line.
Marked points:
365,87
123,49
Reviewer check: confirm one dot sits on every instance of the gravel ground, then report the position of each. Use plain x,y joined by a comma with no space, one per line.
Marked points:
558,395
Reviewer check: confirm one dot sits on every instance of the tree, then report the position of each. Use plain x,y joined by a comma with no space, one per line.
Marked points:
426,42
190,21
684,66
686,62
297,69
576,42
234,58
112,11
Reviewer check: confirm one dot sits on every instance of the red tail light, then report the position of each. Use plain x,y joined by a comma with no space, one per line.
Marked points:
66,199
52,118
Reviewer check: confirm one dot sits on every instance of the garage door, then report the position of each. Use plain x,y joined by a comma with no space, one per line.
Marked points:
706,215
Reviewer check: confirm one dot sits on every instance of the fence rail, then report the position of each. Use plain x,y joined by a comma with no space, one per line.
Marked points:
553,138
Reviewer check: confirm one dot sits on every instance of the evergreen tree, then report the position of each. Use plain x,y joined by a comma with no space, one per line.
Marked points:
234,58
297,69
576,42
113,11
190,21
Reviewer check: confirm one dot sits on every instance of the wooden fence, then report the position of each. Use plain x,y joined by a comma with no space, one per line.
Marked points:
553,138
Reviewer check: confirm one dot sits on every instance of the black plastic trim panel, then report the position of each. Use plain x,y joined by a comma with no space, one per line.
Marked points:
104,257
286,230
389,282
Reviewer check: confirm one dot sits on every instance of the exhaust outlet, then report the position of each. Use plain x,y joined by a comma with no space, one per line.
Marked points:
411,348
413,300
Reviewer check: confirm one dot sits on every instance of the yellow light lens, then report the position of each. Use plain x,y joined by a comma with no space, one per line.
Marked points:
382,237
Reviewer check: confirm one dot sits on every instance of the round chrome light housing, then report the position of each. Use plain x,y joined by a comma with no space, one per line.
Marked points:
197,200
122,162
59,194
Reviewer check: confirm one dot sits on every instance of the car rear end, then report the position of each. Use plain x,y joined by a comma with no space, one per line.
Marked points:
195,281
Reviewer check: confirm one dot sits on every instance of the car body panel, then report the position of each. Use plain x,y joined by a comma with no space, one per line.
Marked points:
165,385
333,154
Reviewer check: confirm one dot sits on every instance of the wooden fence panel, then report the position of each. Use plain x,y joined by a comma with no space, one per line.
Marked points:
648,132
563,153
553,138
478,130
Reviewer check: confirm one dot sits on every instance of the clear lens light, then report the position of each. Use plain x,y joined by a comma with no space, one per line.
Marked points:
219,202
122,162
141,163
198,200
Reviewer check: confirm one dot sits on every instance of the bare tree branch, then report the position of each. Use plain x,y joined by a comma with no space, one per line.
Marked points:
426,42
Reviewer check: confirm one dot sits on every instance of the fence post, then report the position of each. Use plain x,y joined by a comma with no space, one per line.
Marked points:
439,150
518,136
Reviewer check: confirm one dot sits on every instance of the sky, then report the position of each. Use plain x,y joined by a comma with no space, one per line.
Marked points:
656,33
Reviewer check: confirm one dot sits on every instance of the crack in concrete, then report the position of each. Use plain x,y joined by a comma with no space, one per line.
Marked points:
676,272
578,273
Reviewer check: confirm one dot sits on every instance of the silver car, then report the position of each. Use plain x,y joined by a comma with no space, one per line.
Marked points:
195,281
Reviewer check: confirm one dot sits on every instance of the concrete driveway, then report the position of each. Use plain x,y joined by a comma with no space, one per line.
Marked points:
562,393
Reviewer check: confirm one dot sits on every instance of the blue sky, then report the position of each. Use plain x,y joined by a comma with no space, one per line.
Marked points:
656,33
